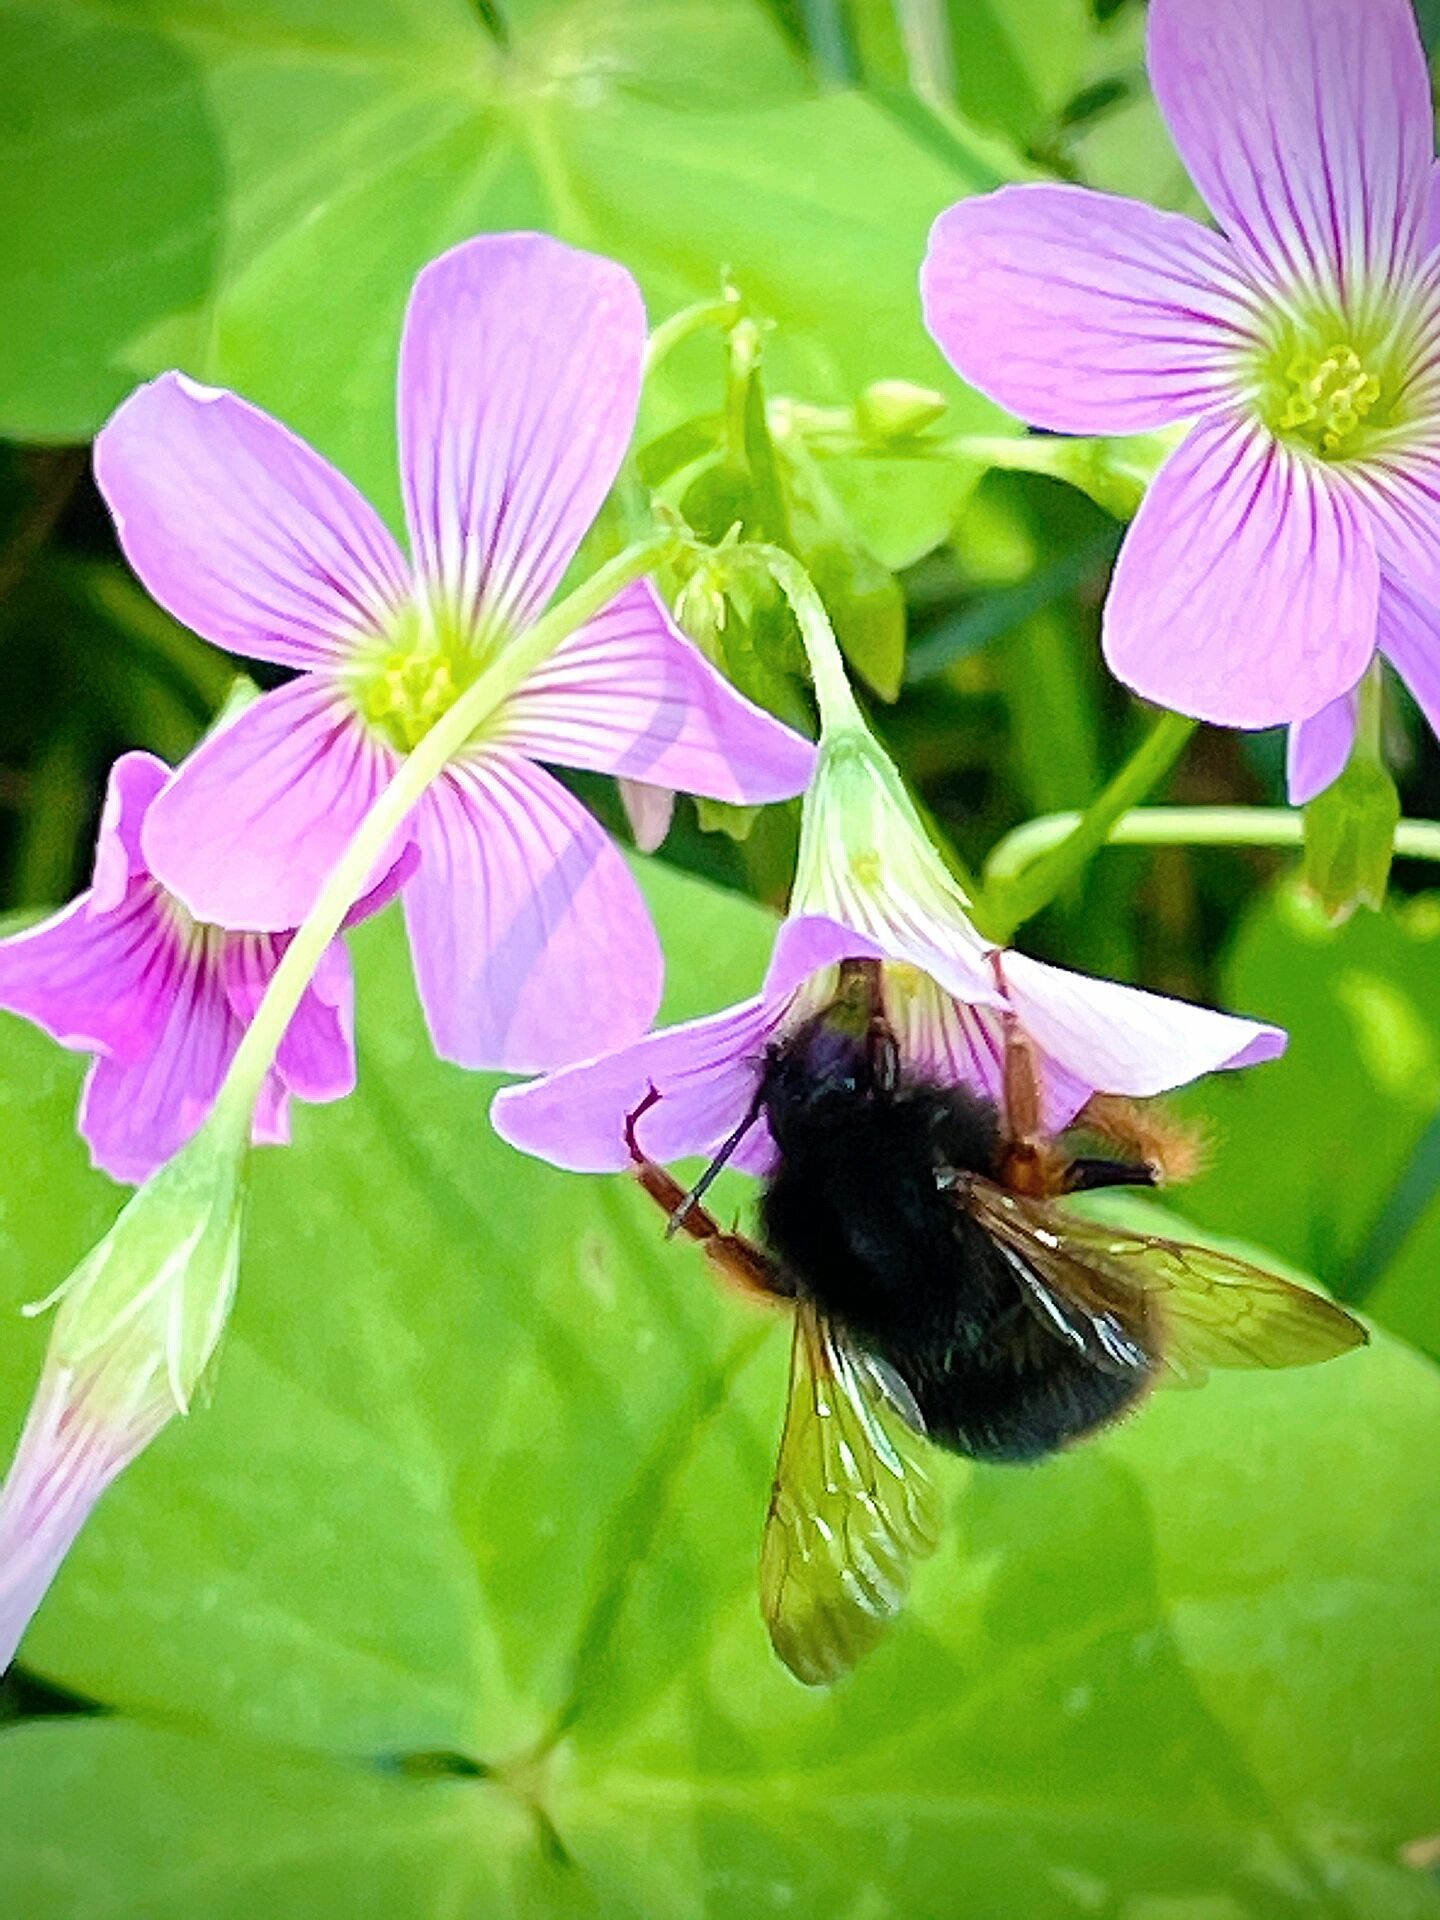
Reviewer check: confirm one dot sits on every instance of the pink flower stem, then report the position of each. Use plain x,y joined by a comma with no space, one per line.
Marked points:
352,871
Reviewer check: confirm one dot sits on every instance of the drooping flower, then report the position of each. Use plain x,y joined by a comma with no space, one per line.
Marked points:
138,1323
871,886
519,381
161,999
1295,526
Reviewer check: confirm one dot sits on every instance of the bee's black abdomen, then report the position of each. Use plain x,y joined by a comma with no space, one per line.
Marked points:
854,1212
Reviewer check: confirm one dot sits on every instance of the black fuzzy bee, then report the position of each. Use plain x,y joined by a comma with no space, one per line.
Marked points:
942,1288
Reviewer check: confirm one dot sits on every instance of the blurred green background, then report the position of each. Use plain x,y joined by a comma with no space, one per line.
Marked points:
445,1606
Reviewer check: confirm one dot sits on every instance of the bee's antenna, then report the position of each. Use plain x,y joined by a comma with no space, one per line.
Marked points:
723,1153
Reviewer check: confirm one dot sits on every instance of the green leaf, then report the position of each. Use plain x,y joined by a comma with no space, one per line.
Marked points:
484,1476
1317,1154
247,191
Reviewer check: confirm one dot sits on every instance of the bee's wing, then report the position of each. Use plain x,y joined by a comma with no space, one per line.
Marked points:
1190,1307
850,1511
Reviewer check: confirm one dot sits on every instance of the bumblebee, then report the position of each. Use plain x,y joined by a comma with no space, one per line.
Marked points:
942,1290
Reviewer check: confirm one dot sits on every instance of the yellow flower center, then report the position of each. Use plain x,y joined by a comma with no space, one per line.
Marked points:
1328,396
403,686
1336,385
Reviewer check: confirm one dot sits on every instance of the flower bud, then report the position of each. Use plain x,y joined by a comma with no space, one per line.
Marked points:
896,409
139,1320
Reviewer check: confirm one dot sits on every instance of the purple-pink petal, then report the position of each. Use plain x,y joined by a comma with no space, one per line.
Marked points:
95,974
316,1055
1246,590
519,383
531,941
1307,126
1408,632
253,822
1086,313
629,694
705,1072
1317,749
1400,494
136,1113
1118,1039
241,530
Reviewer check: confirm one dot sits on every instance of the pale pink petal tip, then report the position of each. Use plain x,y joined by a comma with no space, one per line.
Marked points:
241,530
1085,313
649,810
1246,591
1119,1039
519,384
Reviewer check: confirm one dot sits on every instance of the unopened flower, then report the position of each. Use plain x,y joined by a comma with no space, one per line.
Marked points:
1303,341
139,1320
519,380
870,886
161,999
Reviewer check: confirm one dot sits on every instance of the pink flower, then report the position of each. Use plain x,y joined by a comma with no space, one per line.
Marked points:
161,999
947,1009
519,380
869,885
1303,342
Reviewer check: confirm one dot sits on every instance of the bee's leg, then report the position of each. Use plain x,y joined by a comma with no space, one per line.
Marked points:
1145,1131
731,1254
1029,1162
1085,1174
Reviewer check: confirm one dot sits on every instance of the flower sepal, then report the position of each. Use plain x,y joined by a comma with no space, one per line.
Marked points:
1350,838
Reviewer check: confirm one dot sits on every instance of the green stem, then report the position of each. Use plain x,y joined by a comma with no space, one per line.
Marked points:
352,872
1016,891
721,313
1188,827
833,695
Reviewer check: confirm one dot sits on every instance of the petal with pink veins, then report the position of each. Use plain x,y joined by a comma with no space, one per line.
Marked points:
705,1072
1246,590
531,941
1317,749
1086,313
519,383
1118,1039
136,1114
1307,126
1409,636
316,1055
100,972
241,530
629,694
1400,492
252,823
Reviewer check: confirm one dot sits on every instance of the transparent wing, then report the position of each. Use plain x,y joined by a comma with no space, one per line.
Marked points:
851,1510
1189,1307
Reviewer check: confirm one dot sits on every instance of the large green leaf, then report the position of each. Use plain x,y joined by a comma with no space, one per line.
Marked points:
483,1476
1331,1156
247,190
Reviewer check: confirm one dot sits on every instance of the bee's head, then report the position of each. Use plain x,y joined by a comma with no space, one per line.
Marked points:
823,1073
